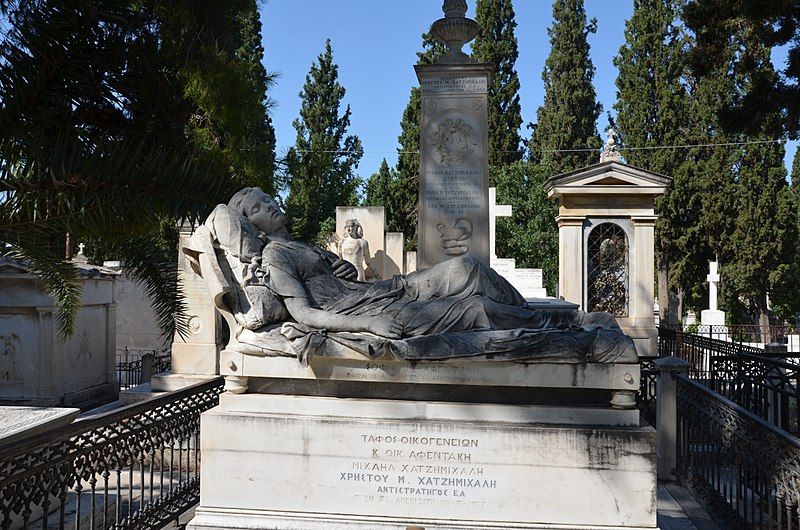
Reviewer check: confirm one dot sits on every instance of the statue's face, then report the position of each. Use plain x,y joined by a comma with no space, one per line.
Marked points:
352,230
264,213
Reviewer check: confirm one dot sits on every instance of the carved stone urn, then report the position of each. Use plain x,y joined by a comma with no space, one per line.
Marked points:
454,31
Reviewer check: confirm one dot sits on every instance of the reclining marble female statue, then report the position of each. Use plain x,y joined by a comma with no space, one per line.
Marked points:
282,297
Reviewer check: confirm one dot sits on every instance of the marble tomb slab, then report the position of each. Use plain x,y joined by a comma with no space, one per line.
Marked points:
17,423
284,463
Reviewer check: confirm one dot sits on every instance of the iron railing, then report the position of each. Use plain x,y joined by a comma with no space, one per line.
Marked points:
699,350
648,389
740,333
135,366
767,387
132,468
745,470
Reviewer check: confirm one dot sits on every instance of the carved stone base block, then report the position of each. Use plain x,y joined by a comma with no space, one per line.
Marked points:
294,462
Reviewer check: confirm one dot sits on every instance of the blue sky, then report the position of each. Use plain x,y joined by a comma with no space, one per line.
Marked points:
375,44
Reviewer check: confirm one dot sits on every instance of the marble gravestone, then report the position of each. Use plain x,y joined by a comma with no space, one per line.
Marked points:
454,166
529,282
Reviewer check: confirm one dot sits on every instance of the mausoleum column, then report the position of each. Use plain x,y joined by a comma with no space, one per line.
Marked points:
570,258
643,270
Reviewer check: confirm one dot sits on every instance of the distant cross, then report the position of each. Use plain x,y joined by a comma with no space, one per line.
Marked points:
81,246
495,211
713,281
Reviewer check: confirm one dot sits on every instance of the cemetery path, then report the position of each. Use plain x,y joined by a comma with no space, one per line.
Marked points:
678,510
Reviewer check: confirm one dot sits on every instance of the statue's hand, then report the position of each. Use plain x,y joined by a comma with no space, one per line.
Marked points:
385,326
344,269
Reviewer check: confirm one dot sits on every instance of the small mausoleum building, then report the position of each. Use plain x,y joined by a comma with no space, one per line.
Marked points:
606,226
38,367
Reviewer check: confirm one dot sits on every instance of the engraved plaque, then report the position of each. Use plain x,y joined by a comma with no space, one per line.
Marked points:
454,190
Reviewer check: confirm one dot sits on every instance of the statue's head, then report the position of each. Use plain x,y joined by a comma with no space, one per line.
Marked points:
352,228
260,208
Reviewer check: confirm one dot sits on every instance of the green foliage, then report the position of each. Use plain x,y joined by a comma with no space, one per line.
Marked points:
327,233
529,236
496,43
651,99
764,240
568,118
379,186
566,121
769,22
257,149
118,118
321,165
403,209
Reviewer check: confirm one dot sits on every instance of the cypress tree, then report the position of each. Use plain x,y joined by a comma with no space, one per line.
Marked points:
771,22
258,150
496,43
378,188
321,166
765,235
566,121
795,175
651,111
568,118
697,214
403,211
650,105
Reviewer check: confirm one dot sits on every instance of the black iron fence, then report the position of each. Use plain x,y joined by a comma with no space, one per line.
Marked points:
745,470
135,366
751,334
767,387
648,389
132,468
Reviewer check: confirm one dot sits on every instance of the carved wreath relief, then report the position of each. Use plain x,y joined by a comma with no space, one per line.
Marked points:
452,142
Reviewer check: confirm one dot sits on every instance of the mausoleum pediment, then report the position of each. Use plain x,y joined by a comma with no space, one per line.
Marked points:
607,178
11,266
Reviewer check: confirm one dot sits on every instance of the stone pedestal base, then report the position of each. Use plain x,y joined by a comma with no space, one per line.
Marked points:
295,462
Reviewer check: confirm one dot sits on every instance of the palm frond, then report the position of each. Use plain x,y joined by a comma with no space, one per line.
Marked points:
144,260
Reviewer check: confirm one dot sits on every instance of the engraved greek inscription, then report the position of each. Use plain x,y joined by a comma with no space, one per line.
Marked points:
454,85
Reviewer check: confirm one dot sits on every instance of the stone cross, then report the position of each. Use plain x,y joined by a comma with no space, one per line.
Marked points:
713,281
81,246
495,211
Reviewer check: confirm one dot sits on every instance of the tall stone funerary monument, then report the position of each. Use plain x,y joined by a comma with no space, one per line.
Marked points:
454,167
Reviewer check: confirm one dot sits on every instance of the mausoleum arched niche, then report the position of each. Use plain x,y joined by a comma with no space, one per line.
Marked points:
608,269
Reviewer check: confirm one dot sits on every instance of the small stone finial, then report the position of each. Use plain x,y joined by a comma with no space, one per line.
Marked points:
610,148
454,31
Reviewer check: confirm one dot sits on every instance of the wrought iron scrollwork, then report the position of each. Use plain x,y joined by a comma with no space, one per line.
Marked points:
135,467
607,269
746,471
